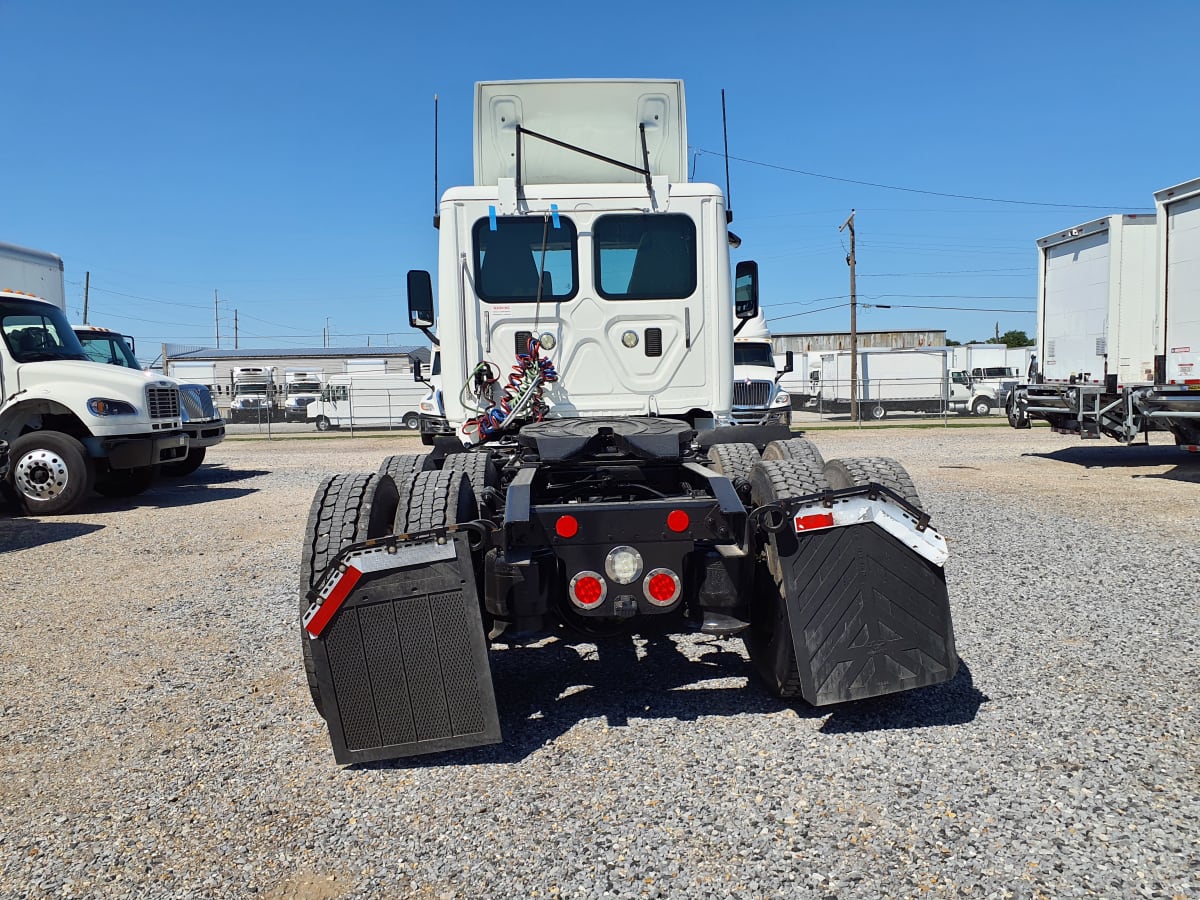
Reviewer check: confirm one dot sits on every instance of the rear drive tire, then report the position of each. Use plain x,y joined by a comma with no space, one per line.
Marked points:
794,448
734,461
768,640
403,467
186,466
50,472
435,500
878,412
346,509
843,473
480,468
125,482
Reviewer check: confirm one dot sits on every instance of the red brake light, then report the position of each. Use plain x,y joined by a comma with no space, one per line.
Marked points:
677,520
587,590
661,587
566,526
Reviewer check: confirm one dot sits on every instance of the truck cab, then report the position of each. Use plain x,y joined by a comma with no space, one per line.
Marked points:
73,424
201,421
301,388
758,398
253,394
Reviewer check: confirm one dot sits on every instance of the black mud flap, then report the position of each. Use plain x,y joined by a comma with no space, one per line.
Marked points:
402,664
868,615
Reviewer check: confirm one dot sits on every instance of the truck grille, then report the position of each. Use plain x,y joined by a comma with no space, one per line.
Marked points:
162,403
197,402
754,393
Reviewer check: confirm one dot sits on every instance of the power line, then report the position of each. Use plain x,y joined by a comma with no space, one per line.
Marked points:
892,187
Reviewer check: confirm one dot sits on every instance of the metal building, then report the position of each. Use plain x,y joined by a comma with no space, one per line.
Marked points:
826,342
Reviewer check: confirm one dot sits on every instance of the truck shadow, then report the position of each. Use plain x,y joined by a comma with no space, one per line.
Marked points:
202,486
1185,466
23,533
543,692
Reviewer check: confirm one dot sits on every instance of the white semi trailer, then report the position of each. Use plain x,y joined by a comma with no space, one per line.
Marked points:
900,380
1118,307
593,487
72,424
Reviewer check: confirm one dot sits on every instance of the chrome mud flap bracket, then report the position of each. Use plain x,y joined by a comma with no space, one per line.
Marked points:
866,595
399,650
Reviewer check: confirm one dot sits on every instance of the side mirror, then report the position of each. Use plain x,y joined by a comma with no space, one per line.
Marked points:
420,299
417,376
789,361
745,290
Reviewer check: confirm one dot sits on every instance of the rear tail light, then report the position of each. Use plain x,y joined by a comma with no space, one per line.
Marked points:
661,587
566,526
588,590
678,520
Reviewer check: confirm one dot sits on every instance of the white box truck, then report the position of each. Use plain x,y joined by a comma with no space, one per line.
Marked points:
72,424
899,380
301,387
368,401
253,394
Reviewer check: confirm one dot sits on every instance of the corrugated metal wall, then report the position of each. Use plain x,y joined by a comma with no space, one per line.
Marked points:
825,342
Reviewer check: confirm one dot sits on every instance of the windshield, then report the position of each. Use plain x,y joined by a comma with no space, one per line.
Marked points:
645,257
109,349
305,387
509,258
753,355
35,332
254,390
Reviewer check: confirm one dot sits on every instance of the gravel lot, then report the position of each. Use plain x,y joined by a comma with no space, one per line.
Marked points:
158,739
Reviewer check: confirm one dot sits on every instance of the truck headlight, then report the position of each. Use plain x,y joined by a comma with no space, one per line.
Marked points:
783,398
101,406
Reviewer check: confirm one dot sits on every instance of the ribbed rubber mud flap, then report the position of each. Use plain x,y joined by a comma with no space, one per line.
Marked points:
403,664
868,616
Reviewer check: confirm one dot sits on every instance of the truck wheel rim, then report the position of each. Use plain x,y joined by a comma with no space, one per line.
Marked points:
41,475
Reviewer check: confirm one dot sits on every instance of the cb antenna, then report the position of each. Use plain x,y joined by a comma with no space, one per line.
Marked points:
728,190
437,219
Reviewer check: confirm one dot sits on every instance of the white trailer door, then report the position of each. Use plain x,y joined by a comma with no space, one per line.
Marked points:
1075,313
1182,337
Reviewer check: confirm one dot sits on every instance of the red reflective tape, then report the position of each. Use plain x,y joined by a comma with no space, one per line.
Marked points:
814,521
334,601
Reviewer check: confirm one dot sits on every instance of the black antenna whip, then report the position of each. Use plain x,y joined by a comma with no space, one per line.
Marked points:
437,219
728,191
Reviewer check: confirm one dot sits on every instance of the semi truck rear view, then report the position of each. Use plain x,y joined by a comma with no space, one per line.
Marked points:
595,485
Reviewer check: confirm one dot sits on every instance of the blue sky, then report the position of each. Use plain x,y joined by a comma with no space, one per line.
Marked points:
281,154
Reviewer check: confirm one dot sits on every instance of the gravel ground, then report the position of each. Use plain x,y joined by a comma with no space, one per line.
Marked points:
158,739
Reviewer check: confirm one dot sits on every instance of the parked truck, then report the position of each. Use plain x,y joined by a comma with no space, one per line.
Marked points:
757,397
202,423
72,424
1118,307
252,394
368,401
900,381
598,487
301,388
431,413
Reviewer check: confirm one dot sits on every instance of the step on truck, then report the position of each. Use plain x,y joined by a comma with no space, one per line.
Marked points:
1118,349
595,484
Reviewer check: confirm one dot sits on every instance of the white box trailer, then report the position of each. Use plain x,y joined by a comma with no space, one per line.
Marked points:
368,401
898,380
33,272
1179,282
1096,303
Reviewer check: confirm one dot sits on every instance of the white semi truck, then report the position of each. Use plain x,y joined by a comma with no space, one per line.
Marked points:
301,387
71,424
252,394
202,423
758,398
595,485
1119,326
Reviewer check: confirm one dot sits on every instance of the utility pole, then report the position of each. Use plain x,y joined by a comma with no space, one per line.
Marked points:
217,317
235,330
327,331
849,223
87,282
